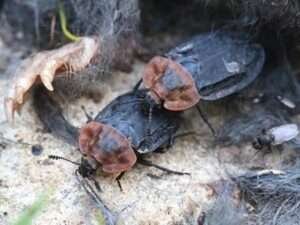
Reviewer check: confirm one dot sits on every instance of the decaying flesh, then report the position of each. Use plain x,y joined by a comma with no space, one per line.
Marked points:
44,66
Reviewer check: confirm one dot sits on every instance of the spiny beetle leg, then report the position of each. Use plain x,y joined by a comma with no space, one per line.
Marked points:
206,120
109,216
96,183
179,135
87,115
138,84
169,171
119,177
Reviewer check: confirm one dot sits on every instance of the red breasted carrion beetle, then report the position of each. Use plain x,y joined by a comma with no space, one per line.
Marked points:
210,66
117,135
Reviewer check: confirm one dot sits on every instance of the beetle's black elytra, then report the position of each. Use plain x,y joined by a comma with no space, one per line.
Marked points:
117,134
209,67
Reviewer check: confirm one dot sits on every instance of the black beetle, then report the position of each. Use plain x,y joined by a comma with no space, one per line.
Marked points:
121,128
209,67
117,134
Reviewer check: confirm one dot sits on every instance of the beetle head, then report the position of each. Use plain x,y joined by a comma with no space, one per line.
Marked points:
85,169
107,146
170,84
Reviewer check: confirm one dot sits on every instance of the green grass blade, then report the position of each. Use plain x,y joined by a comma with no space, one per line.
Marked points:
29,214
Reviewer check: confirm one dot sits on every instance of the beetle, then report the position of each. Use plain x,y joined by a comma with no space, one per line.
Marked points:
276,136
210,66
119,132
117,136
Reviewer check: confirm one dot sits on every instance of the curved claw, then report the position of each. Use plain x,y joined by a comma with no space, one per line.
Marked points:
44,66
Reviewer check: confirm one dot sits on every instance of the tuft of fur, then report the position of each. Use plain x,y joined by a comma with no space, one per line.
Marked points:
116,24
226,209
266,197
262,14
30,20
275,195
283,13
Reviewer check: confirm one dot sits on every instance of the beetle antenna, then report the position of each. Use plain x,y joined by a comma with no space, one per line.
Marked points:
56,157
206,120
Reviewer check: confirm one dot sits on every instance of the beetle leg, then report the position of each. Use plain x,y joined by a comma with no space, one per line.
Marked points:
280,148
96,183
205,120
119,177
169,171
172,139
256,153
162,149
138,84
87,115
269,149
109,217
201,218
165,147
182,134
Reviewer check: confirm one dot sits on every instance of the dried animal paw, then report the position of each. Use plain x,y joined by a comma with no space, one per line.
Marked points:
44,66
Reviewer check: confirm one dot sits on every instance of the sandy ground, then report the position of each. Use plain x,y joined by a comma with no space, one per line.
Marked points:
166,199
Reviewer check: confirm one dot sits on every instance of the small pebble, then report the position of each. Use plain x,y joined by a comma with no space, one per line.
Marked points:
3,145
36,150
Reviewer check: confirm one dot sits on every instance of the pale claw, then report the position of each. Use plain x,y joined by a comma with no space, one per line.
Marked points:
46,65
